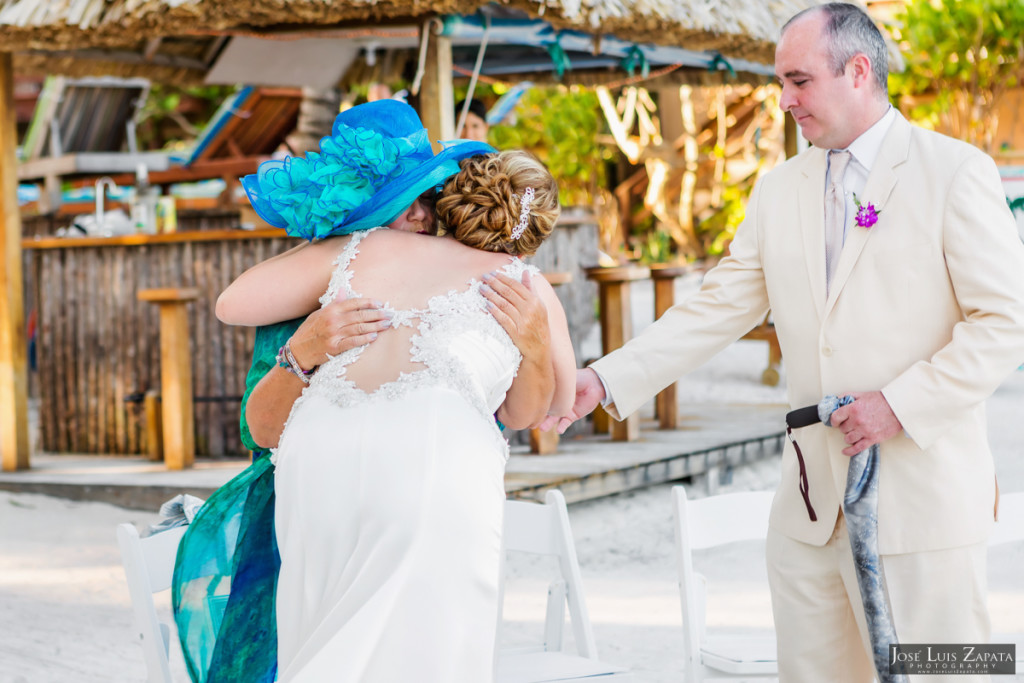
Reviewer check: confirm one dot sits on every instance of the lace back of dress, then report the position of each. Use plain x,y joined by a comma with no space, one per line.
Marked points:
385,360
431,327
390,356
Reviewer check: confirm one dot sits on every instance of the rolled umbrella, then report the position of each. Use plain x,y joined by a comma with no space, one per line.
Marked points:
860,507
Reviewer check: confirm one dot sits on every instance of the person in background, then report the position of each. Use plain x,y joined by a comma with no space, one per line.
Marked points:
476,126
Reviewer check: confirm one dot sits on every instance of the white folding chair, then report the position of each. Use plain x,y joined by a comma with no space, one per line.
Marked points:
529,527
707,523
149,566
544,530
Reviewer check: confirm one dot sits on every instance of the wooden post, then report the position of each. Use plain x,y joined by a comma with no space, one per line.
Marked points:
691,157
14,441
543,443
766,332
664,276
178,423
617,326
437,96
153,426
670,113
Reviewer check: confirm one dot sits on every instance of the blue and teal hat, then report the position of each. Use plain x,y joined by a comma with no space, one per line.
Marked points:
372,167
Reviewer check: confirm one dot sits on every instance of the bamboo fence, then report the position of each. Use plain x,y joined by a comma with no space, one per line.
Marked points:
98,350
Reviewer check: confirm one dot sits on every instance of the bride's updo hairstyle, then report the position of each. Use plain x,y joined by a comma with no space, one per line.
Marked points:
481,204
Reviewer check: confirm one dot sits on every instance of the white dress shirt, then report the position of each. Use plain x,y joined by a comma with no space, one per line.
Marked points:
863,151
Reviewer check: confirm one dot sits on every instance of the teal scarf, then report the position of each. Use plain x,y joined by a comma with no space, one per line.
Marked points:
225,576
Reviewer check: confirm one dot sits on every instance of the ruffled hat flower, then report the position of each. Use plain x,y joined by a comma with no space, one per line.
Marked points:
373,166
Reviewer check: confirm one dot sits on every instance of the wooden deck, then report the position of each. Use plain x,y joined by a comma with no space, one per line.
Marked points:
711,440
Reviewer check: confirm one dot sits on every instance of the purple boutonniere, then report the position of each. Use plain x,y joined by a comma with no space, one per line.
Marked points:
867,214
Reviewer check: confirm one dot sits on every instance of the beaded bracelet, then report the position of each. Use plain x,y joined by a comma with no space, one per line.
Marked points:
286,360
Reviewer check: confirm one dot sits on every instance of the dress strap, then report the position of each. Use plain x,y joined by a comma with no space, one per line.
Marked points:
517,266
342,276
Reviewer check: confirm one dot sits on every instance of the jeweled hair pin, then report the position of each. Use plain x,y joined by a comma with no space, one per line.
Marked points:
524,214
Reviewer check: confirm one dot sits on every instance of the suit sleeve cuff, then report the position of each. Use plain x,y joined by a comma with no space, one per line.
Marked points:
607,400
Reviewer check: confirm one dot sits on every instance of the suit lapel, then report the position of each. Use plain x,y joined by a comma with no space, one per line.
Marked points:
877,190
811,203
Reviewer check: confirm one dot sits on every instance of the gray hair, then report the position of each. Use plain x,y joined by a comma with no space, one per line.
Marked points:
850,31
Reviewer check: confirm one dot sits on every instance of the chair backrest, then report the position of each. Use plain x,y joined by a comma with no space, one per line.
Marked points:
728,518
707,523
1010,525
86,115
149,566
252,122
543,529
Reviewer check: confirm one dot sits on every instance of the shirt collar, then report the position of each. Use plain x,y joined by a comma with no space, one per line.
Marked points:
865,148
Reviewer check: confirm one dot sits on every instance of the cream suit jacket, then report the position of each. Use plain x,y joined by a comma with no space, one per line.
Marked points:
926,306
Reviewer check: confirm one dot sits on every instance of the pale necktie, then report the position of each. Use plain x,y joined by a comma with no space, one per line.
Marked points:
835,212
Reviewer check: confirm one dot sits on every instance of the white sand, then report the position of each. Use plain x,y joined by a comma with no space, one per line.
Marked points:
65,615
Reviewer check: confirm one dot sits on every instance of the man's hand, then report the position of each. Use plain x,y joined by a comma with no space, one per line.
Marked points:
521,313
867,421
337,327
589,393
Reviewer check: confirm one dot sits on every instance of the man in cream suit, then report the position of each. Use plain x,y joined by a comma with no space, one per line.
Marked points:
919,317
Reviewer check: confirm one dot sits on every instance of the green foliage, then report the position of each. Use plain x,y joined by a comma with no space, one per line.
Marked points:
560,125
173,115
656,247
718,229
965,53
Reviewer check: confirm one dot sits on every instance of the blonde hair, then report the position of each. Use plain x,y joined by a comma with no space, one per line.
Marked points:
480,204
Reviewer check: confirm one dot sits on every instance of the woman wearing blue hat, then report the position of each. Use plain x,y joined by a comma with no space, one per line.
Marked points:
389,474
390,535
357,196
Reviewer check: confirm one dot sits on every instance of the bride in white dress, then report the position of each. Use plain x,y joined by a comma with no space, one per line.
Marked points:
389,472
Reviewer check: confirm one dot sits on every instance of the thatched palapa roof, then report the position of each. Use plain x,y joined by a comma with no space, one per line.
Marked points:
176,39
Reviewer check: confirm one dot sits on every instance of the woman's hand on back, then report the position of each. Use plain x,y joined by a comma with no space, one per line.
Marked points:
333,329
523,314
336,328
520,312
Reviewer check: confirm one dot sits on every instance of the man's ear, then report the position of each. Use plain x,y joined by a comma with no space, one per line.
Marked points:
859,67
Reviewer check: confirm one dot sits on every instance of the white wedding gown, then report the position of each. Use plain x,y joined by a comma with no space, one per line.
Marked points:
389,501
